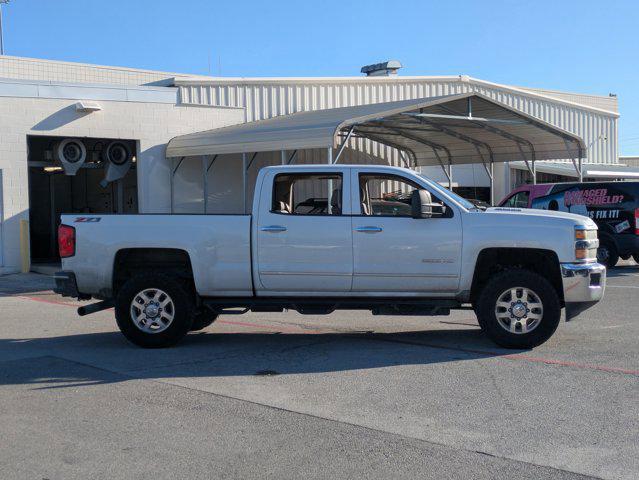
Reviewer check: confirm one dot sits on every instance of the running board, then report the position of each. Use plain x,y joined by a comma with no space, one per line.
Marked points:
325,306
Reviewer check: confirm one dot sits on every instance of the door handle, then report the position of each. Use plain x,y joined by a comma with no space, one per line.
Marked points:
273,228
369,229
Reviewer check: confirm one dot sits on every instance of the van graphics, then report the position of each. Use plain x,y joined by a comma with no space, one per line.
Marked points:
603,214
87,219
594,196
620,227
610,204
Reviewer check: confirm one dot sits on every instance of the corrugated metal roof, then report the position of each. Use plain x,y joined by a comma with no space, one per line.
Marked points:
432,129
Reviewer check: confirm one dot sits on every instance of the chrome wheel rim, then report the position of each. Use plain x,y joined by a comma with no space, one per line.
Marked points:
519,310
152,310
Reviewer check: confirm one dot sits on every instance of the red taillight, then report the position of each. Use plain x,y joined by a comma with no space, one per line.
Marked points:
66,241
636,221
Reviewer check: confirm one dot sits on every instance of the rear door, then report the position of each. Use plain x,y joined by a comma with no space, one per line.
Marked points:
304,235
393,252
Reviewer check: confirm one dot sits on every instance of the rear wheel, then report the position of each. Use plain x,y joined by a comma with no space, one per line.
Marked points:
518,309
607,254
153,310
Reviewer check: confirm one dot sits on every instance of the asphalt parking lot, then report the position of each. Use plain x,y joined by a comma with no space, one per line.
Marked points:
290,396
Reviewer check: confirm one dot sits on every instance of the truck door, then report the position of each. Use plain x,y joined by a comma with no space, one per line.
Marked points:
393,252
304,240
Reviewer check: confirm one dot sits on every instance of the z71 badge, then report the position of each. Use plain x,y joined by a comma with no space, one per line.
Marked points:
87,219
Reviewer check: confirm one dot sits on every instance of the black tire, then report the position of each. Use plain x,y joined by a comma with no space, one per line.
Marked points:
517,278
607,254
202,319
182,310
635,257
625,257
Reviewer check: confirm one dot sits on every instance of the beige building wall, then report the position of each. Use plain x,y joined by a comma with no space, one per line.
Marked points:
151,124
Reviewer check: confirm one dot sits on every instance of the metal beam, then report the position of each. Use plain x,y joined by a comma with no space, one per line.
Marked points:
344,143
205,182
251,162
292,157
401,155
173,171
244,180
461,136
505,134
463,117
382,140
212,162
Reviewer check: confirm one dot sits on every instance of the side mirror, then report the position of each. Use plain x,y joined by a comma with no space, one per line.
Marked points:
422,205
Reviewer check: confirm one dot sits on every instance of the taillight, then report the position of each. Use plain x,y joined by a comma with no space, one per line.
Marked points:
66,241
636,221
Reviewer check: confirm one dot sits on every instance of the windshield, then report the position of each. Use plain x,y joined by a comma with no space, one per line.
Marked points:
462,201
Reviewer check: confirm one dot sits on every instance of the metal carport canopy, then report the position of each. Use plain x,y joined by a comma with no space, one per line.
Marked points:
446,130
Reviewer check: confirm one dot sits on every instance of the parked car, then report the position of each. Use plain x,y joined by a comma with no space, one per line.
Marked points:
614,207
428,251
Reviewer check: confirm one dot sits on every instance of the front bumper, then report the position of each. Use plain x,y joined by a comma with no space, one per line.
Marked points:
583,284
67,286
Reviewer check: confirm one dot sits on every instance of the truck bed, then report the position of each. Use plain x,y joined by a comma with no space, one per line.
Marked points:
219,247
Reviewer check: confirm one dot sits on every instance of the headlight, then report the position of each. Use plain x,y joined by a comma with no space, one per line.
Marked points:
586,243
581,233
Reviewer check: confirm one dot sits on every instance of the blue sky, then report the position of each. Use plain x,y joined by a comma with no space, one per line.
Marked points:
581,46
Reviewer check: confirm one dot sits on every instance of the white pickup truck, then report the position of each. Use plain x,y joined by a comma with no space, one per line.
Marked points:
322,238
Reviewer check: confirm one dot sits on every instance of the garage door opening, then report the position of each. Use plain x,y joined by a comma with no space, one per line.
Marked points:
75,175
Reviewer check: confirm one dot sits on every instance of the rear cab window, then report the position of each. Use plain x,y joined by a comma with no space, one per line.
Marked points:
307,194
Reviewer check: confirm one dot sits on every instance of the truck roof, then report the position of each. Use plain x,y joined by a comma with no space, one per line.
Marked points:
338,166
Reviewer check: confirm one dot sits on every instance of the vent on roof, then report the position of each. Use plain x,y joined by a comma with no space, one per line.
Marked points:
383,69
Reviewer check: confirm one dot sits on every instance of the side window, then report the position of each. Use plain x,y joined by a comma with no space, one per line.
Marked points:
519,200
307,194
385,195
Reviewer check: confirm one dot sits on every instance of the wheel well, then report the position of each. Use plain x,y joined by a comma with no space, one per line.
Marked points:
133,261
494,260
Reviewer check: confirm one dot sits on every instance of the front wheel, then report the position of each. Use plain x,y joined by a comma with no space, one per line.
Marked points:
518,309
607,254
153,310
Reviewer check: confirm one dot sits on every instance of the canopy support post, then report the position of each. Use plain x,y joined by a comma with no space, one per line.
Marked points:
581,170
173,171
344,143
490,171
329,155
283,157
577,162
205,182
403,157
448,171
244,179
450,176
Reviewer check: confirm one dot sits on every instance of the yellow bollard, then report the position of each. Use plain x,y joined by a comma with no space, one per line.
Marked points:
24,245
